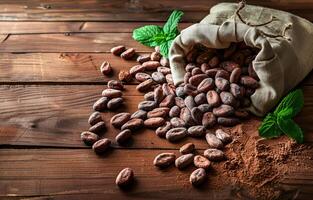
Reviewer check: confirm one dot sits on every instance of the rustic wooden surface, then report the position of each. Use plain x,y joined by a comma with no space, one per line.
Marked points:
50,53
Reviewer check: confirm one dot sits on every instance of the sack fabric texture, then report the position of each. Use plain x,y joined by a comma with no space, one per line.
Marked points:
285,42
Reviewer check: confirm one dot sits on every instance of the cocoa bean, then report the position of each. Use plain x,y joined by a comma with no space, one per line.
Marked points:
139,114
196,115
184,161
237,91
161,131
155,56
141,77
180,102
169,79
222,74
205,108
128,54
240,113
192,55
154,122
94,118
180,91
158,77
98,128
120,119
228,99
190,66
223,136
187,77
125,177
151,65
190,90
223,111
101,146
211,72
133,124
106,68
164,160
189,102
147,105
229,65
200,99
235,75
221,84
176,134
195,71
149,96
208,120
185,114
213,62
116,85
115,103
249,82
164,62
111,93
123,137
158,112
143,58
101,104
201,162
118,50
197,177
197,79
158,94
89,138
214,154
177,122
213,141
205,67
168,101
213,98
196,131
187,148
136,69
227,121
125,76
206,85
205,57
145,86
167,89
164,70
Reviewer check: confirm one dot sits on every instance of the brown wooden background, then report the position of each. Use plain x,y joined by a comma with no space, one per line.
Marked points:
50,53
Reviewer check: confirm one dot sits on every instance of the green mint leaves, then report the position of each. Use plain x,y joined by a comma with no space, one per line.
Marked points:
274,124
153,35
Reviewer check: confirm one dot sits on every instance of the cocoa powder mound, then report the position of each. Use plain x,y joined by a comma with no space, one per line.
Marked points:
255,167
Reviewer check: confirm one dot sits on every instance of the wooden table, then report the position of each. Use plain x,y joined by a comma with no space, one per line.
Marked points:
50,53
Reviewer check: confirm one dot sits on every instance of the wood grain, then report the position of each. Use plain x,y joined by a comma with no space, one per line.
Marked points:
44,173
54,116
123,10
21,27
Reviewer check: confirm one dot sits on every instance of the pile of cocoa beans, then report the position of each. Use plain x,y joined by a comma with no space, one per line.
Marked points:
216,90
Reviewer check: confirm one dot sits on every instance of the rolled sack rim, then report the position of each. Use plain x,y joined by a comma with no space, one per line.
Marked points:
229,31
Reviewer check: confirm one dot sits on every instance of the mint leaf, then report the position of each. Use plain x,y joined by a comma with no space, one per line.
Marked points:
290,128
170,27
150,35
165,47
269,127
292,104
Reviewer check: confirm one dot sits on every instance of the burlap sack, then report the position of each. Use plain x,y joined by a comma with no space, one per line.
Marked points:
285,42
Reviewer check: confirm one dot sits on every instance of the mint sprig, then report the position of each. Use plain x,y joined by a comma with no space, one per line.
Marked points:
152,35
280,121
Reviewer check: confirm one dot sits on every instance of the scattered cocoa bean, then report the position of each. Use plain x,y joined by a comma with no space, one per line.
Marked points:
214,154
125,177
223,111
98,128
136,69
147,105
227,121
89,138
143,58
101,104
184,161
208,120
151,65
154,122
106,68
164,160
123,137
201,162
141,77
155,56
176,134
177,122
145,86
116,85
128,54
125,76
139,114
120,119
197,177
223,136
133,124
115,103
187,148
174,111
161,131
158,112
118,50
101,146
94,118
196,131
111,93
213,141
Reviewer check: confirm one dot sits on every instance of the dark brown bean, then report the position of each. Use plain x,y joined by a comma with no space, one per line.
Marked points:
177,122
176,134
213,141
222,74
223,111
185,114
214,154
196,115
227,98
145,86
143,58
101,146
167,89
221,84
164,160
187,77
120,119
151,65
158,94
174,111
197,177
249,82
128,54
249,92
208,120
240,113
169,79
139,114
161,131
196,131
205,108
190,66
168,101
184,161
155,56
211,72
252,73
116,85
201,162
238,57
235,75
205,57
164,62
141,77
213,98
213,62
164,70
158,77
180,102
89,138
123,137
101,104
223,136
230,50
98,128
94,118
106,68
149,96
190,90
133,124
115,103
229,65
189,102
187,148
118,50
197,79
200,99
237,91
154,122
147,105
205,67
158,112
206,85
196,71
111,93
228,121
136,69
192,55
125,76
125,177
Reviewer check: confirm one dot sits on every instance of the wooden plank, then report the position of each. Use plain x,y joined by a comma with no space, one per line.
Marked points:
37,115
18,27
74,42
123,10
74,174
65,67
